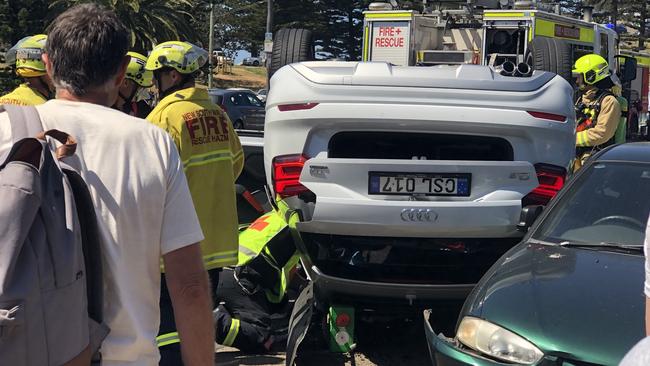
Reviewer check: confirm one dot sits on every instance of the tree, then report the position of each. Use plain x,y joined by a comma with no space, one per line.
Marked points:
633,15
343,36
150,21
306,14
572,8
18,18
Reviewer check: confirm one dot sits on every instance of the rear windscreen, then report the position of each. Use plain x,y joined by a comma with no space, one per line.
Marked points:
429,146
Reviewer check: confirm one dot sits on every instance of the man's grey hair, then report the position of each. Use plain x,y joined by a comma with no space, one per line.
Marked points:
86,46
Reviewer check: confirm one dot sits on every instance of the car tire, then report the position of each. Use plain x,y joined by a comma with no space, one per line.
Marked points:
289,46
256,63
238,125
552,55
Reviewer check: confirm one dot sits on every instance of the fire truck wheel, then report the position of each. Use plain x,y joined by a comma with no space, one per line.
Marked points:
552,55
289,46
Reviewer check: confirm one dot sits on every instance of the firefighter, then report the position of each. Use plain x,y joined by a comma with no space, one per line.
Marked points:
37,88
254,312
597,109
212,157
136,79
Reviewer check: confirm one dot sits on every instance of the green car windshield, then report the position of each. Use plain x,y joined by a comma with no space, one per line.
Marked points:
608,204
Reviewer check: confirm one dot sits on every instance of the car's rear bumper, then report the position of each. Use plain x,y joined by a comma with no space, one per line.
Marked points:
403,270
331,285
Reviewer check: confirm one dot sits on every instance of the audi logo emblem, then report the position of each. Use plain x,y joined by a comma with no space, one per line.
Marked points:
418,215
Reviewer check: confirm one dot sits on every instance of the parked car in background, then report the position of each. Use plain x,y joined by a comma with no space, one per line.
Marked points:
218,56
261,94
244,109
571,293
252,61
243,89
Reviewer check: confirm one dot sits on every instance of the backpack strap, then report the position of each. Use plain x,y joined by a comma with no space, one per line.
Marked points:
92,261
599,102
25,121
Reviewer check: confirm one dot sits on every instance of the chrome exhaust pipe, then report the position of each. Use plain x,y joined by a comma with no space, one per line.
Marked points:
523,69
507,68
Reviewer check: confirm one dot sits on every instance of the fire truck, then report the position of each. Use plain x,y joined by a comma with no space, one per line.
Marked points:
516,36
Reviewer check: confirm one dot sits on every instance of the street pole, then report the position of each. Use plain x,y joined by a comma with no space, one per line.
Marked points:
211,45
268,36
642,28
269,16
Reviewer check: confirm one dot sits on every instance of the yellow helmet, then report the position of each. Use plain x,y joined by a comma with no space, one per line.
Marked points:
184,57
26,54
136,71
592,67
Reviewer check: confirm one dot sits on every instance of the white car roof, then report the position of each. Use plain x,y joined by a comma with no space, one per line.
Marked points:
382,84
384,74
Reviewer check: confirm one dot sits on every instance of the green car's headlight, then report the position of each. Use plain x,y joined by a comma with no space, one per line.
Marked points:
496,342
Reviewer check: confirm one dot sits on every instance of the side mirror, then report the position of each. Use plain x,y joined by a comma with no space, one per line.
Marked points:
627,68
528,216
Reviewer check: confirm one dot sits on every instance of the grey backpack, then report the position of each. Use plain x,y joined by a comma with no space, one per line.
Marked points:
50,261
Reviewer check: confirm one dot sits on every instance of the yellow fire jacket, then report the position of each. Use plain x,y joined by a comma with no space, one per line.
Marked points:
213,159
23,95
606,121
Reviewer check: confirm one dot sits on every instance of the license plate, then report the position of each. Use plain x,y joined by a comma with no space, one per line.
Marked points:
429,184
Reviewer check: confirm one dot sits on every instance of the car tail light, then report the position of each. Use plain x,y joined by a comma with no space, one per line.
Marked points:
286,175
549,116
551,180
296,107
343,320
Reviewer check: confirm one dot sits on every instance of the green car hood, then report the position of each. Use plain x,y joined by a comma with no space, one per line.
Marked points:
577,304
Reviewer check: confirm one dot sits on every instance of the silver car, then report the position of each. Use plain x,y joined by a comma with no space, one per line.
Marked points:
243,107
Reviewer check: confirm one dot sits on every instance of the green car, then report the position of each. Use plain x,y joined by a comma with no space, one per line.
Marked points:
571,293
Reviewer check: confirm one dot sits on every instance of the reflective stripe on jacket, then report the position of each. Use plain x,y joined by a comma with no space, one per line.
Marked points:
253,240
167,339
23,95
213,159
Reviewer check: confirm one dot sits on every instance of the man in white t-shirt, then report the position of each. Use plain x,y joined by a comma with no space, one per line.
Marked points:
139,191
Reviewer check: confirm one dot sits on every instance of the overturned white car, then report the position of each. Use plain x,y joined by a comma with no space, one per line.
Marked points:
410,181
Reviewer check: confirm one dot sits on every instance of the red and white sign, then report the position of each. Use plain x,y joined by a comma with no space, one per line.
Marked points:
390,42
389,36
